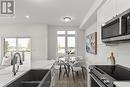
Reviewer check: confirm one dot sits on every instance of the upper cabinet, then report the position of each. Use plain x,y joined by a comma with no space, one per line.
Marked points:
112,8
121,6
108,10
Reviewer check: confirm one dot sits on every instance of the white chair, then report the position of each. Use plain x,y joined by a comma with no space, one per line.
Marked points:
76,67
60,64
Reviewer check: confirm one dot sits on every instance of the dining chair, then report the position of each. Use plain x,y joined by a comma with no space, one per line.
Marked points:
60,64
76,68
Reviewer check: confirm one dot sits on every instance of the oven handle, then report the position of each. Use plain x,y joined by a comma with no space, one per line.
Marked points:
97,80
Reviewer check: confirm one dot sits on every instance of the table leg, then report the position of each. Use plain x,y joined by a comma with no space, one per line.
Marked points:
68,70
60,72
83,73
65,70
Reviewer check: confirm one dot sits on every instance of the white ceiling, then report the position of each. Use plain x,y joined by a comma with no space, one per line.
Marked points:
50,11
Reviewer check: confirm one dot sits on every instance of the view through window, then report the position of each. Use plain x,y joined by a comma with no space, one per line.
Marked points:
13,45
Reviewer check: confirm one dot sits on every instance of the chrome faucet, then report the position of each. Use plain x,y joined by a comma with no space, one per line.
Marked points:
112,58
16,61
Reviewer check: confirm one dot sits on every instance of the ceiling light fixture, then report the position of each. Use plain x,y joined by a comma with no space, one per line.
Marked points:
27,16
67,19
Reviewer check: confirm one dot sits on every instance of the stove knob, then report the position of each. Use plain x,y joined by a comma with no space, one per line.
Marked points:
103,78
91,68
106,81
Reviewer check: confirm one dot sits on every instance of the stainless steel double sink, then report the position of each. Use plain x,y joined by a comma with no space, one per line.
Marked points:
33,78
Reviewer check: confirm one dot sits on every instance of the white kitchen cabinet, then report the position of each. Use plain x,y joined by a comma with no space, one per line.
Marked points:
122,5
108,10
111,8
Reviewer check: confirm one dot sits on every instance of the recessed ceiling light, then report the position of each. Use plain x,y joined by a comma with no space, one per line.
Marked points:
67,19
27,16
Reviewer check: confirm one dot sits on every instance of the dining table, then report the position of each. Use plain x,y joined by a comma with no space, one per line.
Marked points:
68,62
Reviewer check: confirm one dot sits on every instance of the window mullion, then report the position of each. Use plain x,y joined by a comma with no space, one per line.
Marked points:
66,41
16,44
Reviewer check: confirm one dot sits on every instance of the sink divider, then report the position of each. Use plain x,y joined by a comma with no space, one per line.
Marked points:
46,80
26,82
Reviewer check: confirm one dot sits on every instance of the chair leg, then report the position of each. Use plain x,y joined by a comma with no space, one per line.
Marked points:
68,70
77,73
64,74
73,74
65,71
60,71
83,73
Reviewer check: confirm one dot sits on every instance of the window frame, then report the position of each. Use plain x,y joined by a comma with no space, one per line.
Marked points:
66,35
3,43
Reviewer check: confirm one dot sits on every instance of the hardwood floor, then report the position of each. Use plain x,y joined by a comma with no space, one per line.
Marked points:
65,81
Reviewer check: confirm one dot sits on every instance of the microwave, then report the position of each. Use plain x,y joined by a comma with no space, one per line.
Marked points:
111,29
126,23
117,29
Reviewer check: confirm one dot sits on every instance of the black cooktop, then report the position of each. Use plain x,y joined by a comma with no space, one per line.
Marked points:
117,72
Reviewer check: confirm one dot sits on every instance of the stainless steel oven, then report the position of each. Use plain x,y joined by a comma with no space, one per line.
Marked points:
99,78
106,75
96,82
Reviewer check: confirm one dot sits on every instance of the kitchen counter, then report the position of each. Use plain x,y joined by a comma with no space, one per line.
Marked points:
6,75
122,84
46,64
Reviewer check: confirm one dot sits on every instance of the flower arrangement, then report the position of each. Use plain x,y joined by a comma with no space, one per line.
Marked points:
69,52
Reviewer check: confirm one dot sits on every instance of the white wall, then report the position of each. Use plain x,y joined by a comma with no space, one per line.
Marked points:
52,41
121,51
38,33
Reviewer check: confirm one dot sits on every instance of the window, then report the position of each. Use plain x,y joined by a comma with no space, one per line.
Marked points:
61,44
60,32
21,45
71,32
66,41
71,44
9,45
24,44
17,44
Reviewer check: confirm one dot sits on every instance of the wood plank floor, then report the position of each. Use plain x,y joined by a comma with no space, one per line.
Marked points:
65,81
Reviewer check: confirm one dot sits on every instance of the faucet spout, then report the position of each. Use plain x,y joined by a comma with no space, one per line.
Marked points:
113,58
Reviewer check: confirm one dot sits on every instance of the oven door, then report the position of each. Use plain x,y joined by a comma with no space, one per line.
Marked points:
95,82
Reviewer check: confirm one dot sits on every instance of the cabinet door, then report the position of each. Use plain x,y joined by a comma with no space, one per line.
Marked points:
122,5
108,10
